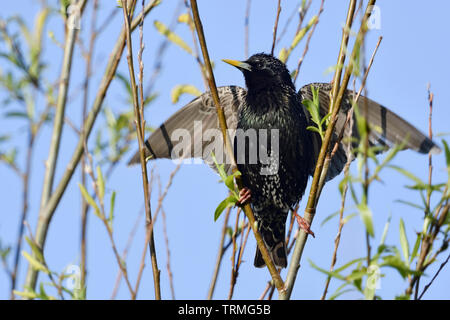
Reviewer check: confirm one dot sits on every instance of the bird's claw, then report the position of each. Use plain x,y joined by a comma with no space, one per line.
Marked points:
303,224
244,196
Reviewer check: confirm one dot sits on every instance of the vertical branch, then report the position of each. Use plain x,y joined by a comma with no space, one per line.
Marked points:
275,28
342,51
429,235
60,107
223,126
84,205
318,172
140,128
233,257
166,240
56,135
430,156
337,240
220,253
25,199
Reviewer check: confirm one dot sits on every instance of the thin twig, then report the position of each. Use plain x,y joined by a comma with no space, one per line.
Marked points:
106,223
84,204
125,253
166,240
138,102
149,228
434,277
275,28
25,200
268,286
311,32
220,253
430,156
302,9
337,240
233,257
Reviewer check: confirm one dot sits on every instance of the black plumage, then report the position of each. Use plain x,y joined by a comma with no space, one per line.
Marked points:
271,102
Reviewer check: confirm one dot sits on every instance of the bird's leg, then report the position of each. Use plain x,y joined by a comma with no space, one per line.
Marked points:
303,224
244,196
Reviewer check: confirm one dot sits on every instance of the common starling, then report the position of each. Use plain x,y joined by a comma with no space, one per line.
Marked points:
271,102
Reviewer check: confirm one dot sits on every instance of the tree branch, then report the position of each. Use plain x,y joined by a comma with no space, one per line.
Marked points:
223,126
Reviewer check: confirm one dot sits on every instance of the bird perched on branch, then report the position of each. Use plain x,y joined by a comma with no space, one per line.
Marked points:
275,173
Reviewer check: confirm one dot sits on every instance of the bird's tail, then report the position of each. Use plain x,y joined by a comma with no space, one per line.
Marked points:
271,226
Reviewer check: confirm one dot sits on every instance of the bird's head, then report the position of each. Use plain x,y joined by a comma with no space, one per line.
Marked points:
262,71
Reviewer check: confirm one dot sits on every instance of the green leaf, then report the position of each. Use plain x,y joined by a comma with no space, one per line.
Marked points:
35,263
313,107
229,182
385,231
181,89
111,209
447,153
338,292
16,114
394,261
404,242
284,54
329,217
411,204
90,201
347,218
228,202
184,18
408,174
125,82
173,37
415,248
311,128
348,264
4,138
35,249
366,217
403,297
150,98
42,294
26,294
220,167
333,274
100,184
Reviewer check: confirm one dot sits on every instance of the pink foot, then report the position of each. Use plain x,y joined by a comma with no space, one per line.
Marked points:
244,196
303,224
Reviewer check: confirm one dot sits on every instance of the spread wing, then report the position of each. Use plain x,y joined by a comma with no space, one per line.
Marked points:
187,134
386,127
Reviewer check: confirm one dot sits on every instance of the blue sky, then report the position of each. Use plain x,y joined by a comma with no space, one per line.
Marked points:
412,54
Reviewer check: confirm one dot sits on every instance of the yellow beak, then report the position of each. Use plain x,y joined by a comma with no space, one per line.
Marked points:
238,64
